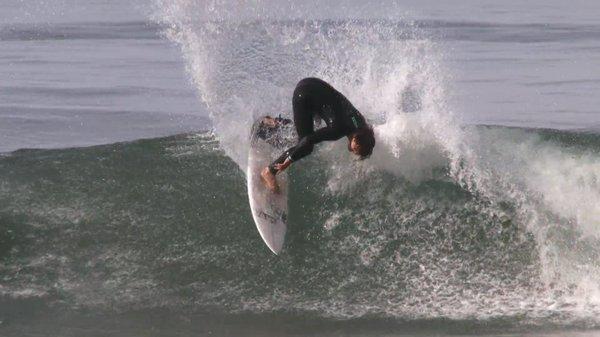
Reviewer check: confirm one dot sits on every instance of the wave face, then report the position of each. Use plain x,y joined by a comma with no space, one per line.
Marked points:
165,223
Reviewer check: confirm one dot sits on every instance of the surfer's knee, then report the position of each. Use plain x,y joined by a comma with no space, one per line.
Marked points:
298,98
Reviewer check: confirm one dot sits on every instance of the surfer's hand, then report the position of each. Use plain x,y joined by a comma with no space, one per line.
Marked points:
269,180
283,166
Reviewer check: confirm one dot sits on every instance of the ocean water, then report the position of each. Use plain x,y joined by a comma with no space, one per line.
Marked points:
78,74
124,138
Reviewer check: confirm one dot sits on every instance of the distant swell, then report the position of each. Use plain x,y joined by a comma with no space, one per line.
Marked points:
80,31
446,30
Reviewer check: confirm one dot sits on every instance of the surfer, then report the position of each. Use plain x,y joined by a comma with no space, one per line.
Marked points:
314,99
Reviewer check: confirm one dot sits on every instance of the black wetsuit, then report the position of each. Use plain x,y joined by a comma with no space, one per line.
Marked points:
316,99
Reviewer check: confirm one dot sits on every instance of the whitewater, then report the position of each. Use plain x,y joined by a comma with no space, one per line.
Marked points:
475,214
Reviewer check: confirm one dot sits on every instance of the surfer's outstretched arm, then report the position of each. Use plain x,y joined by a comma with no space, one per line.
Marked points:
281,167
304,147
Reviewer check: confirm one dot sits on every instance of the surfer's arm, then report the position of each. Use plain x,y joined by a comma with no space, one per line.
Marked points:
304,148
281,167
306,144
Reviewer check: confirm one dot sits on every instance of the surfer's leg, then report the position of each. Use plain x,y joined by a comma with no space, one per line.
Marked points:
303,120
303,113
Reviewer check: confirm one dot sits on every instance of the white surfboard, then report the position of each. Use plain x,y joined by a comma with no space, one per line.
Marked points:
269,210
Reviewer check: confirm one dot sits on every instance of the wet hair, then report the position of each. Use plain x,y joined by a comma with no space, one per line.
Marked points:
365,137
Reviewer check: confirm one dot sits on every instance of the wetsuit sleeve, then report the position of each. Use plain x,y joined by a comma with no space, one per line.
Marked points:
306,144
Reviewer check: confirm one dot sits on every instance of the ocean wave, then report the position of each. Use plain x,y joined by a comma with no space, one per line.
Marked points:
165,223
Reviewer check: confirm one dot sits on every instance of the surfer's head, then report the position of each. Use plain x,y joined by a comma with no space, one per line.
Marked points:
362,142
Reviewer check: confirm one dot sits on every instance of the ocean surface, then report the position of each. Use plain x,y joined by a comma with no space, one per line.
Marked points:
123,147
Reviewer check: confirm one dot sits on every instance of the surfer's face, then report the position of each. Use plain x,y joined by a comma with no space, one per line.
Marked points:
354,146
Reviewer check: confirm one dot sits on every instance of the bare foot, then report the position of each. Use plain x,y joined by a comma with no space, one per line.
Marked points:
269,121
269,180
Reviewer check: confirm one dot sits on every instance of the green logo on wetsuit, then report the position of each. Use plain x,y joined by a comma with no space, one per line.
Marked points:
354,122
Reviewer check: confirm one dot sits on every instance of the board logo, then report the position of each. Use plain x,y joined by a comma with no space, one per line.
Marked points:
273,217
